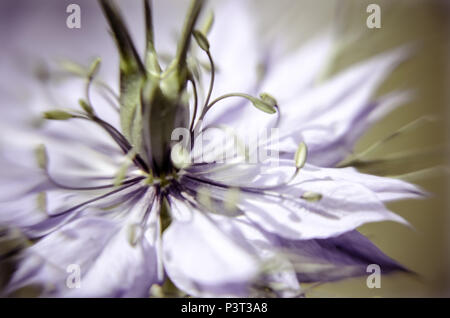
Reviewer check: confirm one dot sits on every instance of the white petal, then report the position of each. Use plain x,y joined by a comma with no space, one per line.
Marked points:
332,116
289,75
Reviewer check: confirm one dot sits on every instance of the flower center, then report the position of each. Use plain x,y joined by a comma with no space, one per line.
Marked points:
154,102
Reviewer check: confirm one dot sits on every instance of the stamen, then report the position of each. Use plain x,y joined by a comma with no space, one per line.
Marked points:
211,83
80,71
43,162
136,231
164,214
231,200
72,68
121,141
41,201
300,156
106,186
269,99
58,115
107,88
41,156
258,103
134,234
300,161
203,43
201,39
86,107
57,220
90,79
151,202
180,157
204,198
120,189
259,190
115,191
122,173
311,196
238,144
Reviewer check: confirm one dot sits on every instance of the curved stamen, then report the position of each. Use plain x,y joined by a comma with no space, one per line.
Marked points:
106,186
112,101
138,229
137,159
178,188
194,87
261,105
45,227
76,207
277,122
149,210
254,190
88,86
121,141
107,88
90,115
211,83
111,130
210,89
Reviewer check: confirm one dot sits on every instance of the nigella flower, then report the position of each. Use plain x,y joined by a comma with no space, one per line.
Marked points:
110,190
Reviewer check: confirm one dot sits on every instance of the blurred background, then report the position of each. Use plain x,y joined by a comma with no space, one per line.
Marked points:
34,30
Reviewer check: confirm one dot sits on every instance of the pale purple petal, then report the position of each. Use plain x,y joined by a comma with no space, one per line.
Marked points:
114,257
288,76
331,117
344,256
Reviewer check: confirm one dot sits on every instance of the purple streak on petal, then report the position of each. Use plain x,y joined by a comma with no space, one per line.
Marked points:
340,257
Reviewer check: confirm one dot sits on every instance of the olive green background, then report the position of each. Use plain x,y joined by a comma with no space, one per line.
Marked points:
424,249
